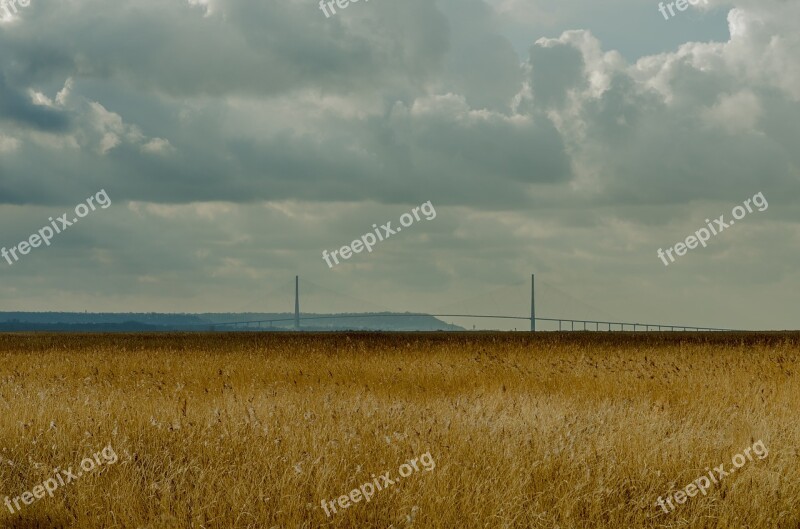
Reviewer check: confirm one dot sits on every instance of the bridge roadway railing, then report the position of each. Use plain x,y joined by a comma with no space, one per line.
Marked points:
606,325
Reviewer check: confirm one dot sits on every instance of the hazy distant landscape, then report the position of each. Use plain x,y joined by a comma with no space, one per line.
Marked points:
155,322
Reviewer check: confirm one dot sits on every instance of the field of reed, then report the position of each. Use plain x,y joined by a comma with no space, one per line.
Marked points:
255,430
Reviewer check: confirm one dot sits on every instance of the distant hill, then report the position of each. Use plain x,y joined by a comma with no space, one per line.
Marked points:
154,321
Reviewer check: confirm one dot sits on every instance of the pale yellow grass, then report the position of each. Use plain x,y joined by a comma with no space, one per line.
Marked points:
253,431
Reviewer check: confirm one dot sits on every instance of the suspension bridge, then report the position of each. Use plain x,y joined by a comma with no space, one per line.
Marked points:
564,324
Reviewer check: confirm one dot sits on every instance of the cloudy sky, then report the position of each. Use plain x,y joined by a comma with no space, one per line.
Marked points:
238,139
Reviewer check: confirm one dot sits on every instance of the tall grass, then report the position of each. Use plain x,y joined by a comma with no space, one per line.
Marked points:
255,430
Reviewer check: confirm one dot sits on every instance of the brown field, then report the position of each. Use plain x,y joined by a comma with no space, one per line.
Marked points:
582,430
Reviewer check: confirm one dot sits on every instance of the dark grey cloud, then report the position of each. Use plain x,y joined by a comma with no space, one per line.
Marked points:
555,70
16,106
236,47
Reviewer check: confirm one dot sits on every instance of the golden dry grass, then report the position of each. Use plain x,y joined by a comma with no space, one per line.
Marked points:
254,430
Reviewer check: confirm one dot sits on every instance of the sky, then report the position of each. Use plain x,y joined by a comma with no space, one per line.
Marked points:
238,139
